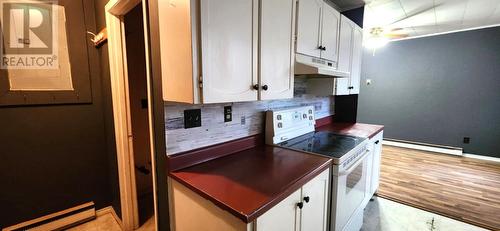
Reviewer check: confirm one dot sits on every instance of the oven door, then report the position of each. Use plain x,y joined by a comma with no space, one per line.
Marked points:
351,190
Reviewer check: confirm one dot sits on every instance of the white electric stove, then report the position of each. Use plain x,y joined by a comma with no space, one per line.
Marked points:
295,129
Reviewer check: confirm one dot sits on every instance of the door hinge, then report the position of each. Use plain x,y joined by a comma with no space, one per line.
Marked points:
200,82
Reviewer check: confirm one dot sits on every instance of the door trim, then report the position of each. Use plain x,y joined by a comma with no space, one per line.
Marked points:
115,11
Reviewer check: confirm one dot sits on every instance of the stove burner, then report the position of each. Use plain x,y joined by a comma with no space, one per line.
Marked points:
324,143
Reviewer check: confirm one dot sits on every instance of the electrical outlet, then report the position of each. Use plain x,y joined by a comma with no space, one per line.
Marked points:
144,103
228,114
192,118
243,120
466,140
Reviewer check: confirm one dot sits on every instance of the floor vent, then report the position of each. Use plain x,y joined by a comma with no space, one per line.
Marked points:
59,220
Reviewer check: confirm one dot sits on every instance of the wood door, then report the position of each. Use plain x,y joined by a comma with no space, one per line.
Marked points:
330,32
277,26
282,217
314,212
308,27
345,55
357,57
229,48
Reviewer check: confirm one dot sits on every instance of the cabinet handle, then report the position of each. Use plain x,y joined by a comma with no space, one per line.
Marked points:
320,48
300,205
265,87
256,87
378,141
351,87
306,199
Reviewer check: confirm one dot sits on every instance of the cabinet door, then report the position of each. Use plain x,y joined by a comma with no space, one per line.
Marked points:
314,212
345,55
357,57
329,32
377,157
228,44
282,217
308,27
276,49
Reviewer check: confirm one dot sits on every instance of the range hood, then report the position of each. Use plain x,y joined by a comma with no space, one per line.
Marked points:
305,65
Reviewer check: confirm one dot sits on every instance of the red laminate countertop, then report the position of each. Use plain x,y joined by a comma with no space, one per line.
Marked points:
250,182
353,129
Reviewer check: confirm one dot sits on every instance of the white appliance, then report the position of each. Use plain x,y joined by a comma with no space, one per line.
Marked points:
307,65
294,129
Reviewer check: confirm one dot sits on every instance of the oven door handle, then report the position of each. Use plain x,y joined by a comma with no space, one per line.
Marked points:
355,165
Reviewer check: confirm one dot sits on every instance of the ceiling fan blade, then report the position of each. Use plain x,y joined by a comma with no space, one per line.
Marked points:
396,36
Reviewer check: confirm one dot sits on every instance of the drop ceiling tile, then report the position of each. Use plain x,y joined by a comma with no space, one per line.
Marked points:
415,6
479,11
382,13
495,17
450,12
423,19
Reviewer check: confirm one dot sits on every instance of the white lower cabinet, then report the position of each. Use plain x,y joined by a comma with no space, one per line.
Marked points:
376,143
283,216
304,210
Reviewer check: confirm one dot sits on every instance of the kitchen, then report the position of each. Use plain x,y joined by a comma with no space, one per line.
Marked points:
274,115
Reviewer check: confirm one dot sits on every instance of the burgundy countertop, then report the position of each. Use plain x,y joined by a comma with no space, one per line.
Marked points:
250,182
353,129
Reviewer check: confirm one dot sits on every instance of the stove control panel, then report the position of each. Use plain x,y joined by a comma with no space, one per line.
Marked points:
282,125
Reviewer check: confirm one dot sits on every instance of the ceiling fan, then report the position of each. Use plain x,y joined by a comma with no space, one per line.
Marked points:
392,31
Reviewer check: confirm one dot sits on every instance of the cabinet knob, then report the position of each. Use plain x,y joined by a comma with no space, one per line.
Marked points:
306,199
323,49
256,87
378,141
265,87
300,205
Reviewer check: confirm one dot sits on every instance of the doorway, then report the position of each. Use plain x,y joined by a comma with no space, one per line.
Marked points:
139,117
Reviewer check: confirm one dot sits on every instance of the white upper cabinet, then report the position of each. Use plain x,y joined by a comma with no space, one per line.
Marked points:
228,41
329,33
309,27
277,27
317,29
345,44
216,51
350,55
357,57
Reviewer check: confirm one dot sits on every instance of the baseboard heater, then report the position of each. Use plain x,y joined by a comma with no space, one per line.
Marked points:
424,146
59,220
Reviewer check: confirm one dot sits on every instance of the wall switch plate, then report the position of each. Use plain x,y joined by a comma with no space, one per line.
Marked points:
192,118
243,120
466,140
228,114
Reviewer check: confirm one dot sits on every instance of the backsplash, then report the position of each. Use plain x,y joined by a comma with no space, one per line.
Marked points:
248,119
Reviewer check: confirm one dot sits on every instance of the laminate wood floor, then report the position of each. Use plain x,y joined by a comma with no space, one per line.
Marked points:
461,188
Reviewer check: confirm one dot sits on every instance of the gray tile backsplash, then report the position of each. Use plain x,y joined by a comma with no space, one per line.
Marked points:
248,119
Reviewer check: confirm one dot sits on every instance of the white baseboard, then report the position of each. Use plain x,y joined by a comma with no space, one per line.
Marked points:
423,147
479,157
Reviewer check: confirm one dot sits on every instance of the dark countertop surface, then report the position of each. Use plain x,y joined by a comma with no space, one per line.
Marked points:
250,182
353,129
